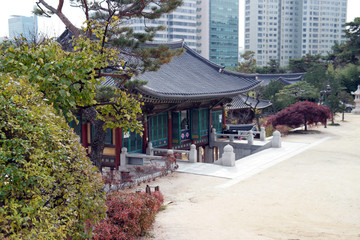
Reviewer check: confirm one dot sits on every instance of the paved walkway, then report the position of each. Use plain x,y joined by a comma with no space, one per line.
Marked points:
308,189
251,165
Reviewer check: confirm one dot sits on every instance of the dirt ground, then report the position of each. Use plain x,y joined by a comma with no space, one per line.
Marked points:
313,195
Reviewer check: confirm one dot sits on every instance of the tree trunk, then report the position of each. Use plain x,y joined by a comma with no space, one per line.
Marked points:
332,118
97,137
305,123
257,121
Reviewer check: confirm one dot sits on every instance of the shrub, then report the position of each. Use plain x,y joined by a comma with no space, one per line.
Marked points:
129,215
283,129
48,186
300,113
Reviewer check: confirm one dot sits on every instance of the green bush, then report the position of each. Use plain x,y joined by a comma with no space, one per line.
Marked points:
48,186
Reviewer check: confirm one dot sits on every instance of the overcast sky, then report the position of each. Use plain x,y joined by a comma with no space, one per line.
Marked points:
53,26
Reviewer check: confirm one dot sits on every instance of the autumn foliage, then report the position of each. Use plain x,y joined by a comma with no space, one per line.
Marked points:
128,215
300,113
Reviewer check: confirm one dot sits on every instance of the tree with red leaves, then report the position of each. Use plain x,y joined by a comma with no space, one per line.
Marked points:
300,113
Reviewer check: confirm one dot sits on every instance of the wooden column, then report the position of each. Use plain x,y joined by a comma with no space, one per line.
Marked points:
118,145
210,121
223,117
84,136
145,134
169,126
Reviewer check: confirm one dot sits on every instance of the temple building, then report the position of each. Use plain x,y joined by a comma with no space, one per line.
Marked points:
284,78
183,101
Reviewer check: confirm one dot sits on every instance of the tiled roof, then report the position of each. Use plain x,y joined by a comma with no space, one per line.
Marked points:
238,102
286,78
190,76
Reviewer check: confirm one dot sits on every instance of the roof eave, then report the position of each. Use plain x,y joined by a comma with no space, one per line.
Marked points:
197,96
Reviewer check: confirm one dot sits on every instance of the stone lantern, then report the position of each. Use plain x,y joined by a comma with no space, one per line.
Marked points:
357,101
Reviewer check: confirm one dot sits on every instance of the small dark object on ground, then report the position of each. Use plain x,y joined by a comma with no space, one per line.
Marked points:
305,132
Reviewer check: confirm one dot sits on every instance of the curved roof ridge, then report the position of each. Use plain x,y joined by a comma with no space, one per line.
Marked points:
197,55
242,101
279,74
214,65
239,74
291,78
181,95
190,75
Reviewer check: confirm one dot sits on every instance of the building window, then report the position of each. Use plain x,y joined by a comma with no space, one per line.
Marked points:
216,118
108,135
132,141
199,123
158,129
185,119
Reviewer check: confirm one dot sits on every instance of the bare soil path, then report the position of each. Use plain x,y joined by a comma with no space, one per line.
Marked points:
312,195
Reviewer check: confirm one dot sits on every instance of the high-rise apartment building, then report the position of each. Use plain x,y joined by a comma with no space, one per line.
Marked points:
209,26
27,26
288,29
180,25
218,31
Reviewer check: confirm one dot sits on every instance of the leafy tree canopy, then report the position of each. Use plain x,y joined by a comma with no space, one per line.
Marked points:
348,52
114,50
269,92
300,113
305,64
273,66
300,91
68,80
349,77
248,64
48,186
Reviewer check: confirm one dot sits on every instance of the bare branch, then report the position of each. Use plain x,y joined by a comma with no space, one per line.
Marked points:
38,4
62,17
130,11
60,6
86,11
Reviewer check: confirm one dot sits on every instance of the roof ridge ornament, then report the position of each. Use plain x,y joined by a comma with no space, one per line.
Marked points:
221,69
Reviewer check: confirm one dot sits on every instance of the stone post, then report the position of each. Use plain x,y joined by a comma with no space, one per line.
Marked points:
250,138
200,153
213,135
123,157
231,138
149,150
262,134
276,140
356,110
193,154
228,157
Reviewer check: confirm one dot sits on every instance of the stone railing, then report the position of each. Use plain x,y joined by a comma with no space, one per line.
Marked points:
191,154
127,158
228,155
244,148
136,158
248,135
230,150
